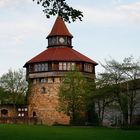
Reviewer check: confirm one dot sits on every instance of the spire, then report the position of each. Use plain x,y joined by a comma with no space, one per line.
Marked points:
59,29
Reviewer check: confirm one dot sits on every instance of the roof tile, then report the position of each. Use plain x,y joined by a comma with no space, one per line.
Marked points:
60,54
59,28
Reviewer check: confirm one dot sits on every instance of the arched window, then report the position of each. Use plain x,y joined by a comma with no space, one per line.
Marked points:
43,90
4,113
34,114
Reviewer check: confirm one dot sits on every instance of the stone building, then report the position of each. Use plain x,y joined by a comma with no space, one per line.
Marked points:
46,70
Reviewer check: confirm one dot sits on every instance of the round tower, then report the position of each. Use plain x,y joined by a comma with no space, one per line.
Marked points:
46,70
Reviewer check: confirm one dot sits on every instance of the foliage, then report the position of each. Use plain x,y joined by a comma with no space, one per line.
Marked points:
122,77
3,96
103,96
14,84
76,96
61,8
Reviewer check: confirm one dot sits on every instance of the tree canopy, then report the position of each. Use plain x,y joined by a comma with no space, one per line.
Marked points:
14,85
76,97
121,78
61,8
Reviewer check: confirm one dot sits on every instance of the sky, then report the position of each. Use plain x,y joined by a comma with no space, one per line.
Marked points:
110,29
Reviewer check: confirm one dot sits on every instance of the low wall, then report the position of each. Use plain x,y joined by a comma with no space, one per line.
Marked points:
19,120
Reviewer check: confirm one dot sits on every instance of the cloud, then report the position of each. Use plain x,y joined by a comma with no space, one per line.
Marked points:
12,3
116,2
118,14
131,11
20,30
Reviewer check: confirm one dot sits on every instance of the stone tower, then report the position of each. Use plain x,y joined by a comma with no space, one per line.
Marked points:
46,70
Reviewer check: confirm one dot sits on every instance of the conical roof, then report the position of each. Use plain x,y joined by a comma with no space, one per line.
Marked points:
61,53
59,28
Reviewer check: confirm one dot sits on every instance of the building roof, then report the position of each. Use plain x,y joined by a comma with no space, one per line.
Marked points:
60,54
59,28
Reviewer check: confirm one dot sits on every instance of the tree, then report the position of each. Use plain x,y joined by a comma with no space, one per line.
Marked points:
120,75
61,8
15,85
75,96
131,70
3,96
103,95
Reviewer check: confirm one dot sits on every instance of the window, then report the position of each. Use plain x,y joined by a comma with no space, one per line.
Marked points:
66,66
46,67
19,114
60,66
43,90
43,80
69,66
72,66
4,113
41,67
19,109
36,67
31,68
34,114
22,114
88,68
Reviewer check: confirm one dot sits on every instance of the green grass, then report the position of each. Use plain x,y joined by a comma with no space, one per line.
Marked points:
31,132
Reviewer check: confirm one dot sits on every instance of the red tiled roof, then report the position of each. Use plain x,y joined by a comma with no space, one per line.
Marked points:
60,54
59,28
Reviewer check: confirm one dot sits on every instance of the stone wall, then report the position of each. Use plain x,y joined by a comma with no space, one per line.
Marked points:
10,111
43,103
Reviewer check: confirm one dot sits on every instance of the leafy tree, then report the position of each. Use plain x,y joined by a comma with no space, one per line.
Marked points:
15,85
131,69
119,76
61,8
75,96
3,96
103,95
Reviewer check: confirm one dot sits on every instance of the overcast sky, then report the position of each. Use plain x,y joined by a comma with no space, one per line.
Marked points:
110,28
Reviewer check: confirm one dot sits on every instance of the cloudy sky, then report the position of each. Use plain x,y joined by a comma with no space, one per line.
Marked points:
110,28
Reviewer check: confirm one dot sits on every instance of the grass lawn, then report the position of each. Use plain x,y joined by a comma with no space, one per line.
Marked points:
31,132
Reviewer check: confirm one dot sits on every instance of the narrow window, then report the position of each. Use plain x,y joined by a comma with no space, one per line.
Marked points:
60,66
39,67
46,67
64,66
36,67
72,66
34,114
68,66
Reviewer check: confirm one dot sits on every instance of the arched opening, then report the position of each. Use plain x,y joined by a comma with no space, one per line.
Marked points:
43,90
34,114
4,113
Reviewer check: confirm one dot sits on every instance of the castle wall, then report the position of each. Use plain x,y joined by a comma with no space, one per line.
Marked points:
43,103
